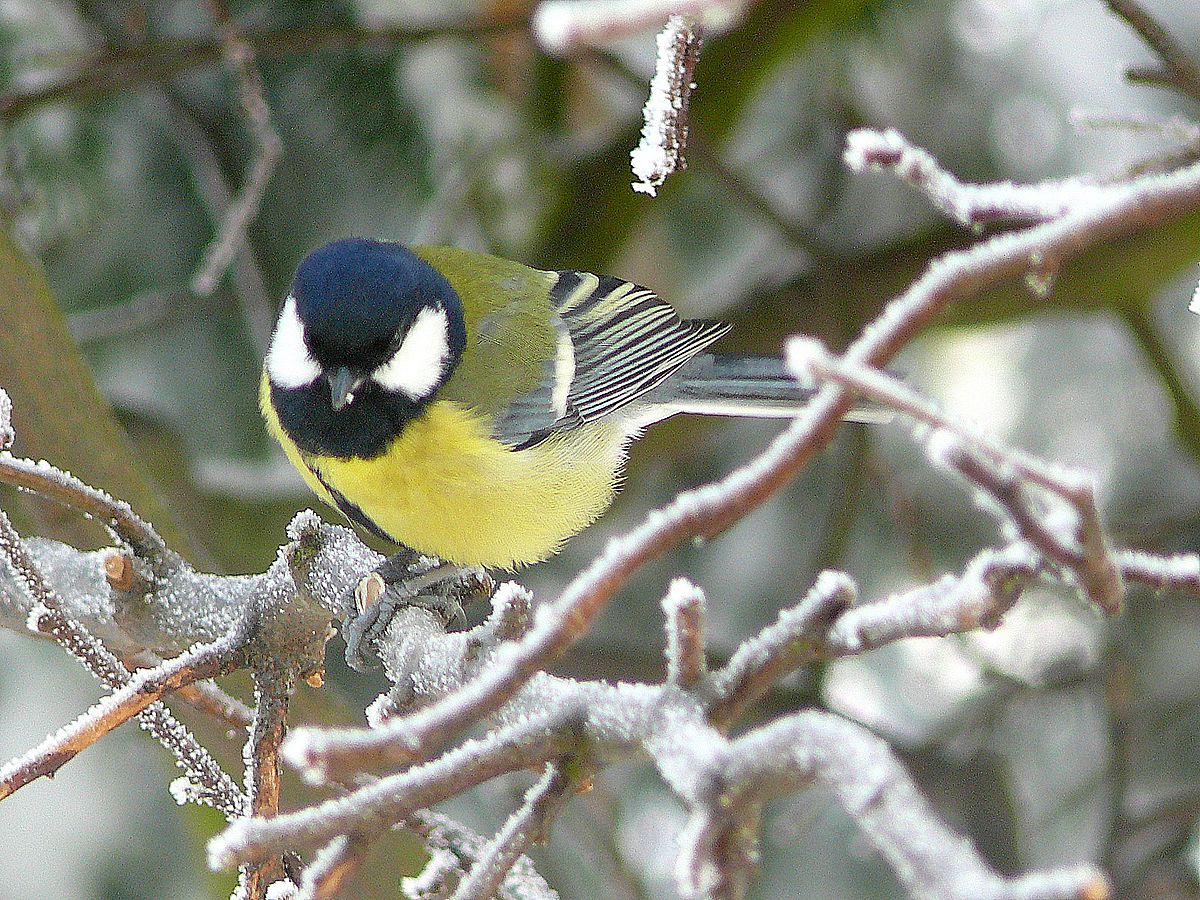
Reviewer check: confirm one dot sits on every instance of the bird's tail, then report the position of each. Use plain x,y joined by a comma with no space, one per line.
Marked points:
735,384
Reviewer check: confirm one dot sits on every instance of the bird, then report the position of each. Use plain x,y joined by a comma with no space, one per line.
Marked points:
476,410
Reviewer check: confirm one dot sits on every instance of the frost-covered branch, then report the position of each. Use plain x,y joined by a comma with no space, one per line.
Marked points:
782,647
676,729
122,522
561,26
660,152
391,800
29,589
453,851
528,825
968,204
1075,541
930,860
683,608
141,690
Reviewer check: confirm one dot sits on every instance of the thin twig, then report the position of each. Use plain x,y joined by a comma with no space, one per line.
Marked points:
969,204
239,56
528,825
195,145
791,641
114,69
1177,129
214,702
453,850
140,691
1179,71
204,696
149,309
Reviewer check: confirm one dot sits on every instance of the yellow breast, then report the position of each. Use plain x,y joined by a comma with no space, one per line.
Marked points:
447,489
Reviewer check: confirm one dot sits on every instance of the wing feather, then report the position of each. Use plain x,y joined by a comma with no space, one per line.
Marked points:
617,341
627,341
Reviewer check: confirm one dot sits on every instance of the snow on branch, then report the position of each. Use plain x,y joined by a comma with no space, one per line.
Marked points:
561,26
528,825
140,690
27,586
684,611
492,681
678,730
121,521
930,860
969,204
1074,541
665,117
6,429
454,850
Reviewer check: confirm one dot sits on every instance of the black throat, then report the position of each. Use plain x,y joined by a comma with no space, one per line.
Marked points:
362,430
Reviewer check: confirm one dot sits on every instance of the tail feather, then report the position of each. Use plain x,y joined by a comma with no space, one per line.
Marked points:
732,384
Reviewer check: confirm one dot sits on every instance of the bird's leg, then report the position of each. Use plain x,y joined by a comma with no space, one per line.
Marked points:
406,578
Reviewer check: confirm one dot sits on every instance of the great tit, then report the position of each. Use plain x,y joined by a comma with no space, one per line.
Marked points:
477,410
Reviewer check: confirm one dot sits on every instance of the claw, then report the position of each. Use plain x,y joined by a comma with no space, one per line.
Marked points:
368,592
400,581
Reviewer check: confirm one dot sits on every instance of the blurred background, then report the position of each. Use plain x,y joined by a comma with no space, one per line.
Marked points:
1057,738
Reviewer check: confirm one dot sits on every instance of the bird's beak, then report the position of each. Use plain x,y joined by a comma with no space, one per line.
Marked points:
343,384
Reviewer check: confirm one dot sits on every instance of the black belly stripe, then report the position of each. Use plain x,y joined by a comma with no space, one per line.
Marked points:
353,511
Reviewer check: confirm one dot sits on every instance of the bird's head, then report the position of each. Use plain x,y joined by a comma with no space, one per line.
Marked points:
366,319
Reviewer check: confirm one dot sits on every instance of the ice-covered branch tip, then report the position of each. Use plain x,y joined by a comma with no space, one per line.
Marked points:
562,25
665,126
969,204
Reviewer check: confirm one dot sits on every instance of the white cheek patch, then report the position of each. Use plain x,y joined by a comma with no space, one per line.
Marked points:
416,368
290,364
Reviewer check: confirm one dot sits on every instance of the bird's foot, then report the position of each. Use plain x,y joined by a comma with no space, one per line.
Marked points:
407,579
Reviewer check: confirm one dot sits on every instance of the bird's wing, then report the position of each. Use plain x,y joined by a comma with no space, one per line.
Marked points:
614,341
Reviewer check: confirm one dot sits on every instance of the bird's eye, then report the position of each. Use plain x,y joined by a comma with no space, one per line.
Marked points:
290,363
416,368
